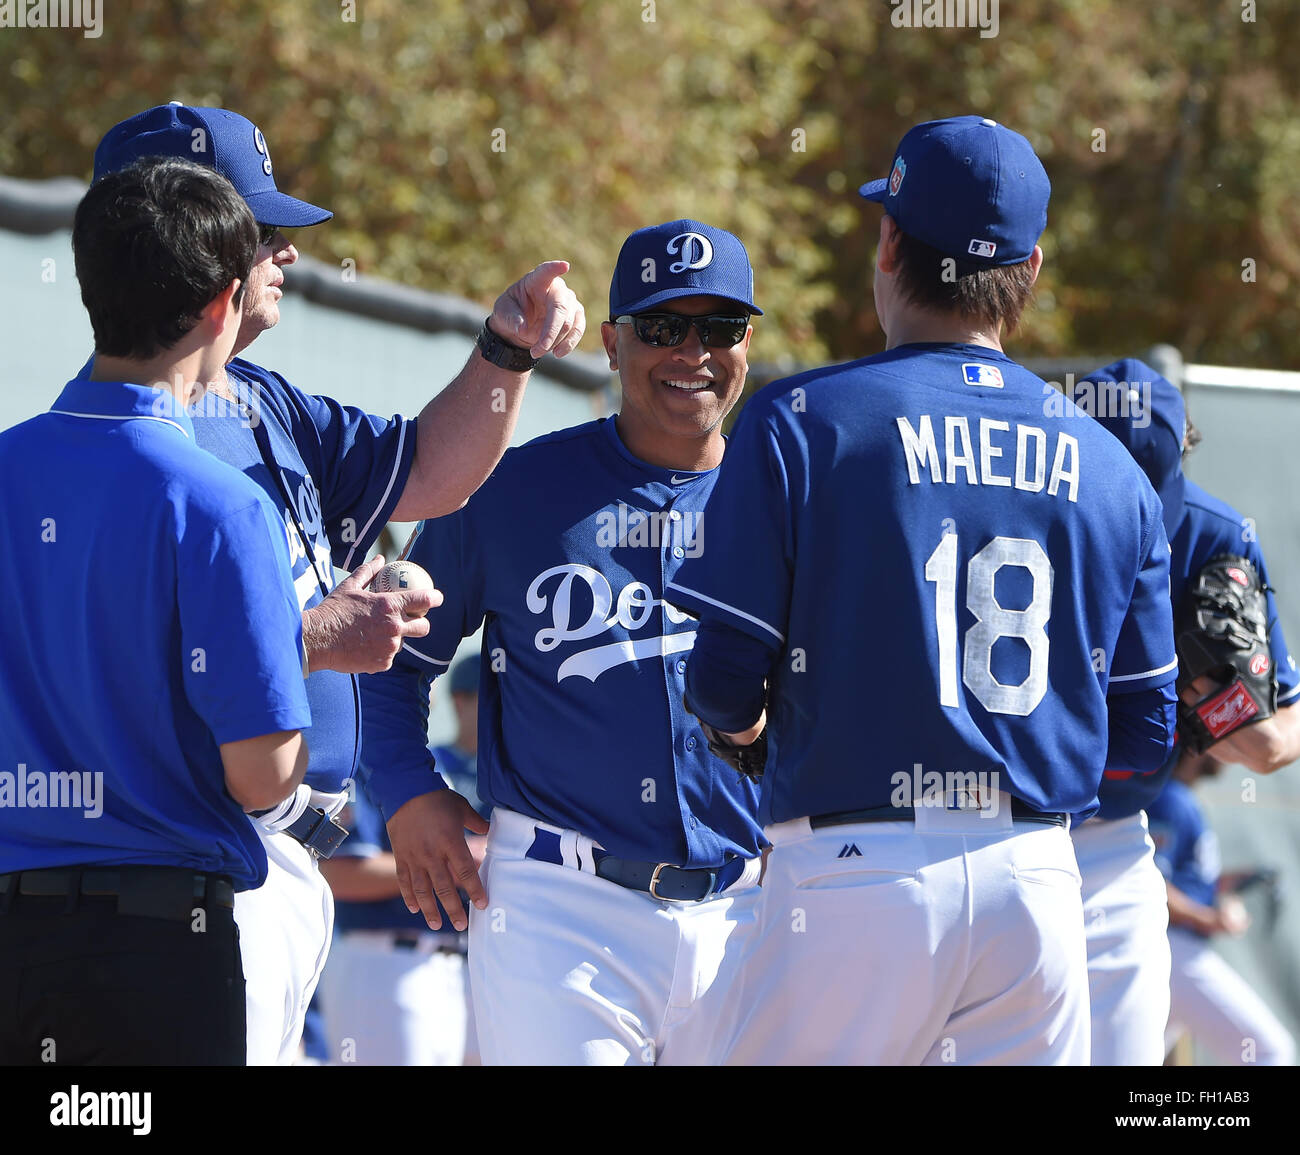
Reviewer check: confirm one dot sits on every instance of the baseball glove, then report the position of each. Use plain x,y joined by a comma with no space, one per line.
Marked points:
747,761
1222,633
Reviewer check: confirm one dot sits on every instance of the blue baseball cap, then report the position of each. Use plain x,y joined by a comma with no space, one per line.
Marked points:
1152,427
222,140
680,259
464,676
970,188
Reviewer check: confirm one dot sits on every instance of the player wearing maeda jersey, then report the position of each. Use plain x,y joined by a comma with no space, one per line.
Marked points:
620,871
955,606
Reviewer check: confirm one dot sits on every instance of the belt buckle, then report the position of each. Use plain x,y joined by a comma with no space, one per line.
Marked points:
325,836
654,882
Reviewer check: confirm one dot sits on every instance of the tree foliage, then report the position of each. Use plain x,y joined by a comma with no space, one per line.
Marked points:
459,144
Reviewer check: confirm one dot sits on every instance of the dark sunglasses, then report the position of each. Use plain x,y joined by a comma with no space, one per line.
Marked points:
266,234
668,330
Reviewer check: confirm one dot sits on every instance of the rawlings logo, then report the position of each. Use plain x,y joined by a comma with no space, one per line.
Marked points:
1229,711
633,610
1237,576
1259,664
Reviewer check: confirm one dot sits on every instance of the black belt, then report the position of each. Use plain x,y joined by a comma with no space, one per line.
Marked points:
670,883
660,880
1020,810
403,941
170,892
317,831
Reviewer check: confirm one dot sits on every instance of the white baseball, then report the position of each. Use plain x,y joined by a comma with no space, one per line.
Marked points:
400,576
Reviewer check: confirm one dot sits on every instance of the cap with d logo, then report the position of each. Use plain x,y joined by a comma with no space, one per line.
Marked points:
682,258
216,137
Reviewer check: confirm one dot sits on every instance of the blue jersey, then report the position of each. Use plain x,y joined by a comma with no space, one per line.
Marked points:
1187,851
1208,529
151,620
563,555
344,472
950,573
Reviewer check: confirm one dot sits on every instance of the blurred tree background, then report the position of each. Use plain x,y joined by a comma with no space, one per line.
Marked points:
458,144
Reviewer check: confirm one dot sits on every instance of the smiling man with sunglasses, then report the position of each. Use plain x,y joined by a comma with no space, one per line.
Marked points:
622,863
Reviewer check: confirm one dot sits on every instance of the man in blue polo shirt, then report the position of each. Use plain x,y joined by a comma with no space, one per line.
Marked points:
336,475
151,683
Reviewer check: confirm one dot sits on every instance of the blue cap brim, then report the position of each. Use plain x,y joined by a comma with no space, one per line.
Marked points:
875,190
664,295
276,208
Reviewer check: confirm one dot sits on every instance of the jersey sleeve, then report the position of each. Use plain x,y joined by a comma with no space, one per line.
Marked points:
362,468
1145,657
395,704
742,575
241,629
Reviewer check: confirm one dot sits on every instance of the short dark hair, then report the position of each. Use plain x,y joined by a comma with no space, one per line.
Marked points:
153,244
936,281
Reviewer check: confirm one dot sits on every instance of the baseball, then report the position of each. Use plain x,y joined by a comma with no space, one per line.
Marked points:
398,576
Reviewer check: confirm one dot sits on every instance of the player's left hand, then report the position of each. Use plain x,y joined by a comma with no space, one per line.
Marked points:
540,312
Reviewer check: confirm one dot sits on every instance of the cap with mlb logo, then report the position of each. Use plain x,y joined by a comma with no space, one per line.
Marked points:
969,187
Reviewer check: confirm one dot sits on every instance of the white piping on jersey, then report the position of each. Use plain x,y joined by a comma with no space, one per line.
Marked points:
432,661
1145,674
732,610
115,417
397,464
1288,695
306,584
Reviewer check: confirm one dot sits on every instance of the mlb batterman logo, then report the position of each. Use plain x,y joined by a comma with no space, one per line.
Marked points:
990,376
979,248
896,177
696,251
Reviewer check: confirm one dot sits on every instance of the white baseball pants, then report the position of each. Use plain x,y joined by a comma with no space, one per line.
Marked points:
954,939
568,968
1126,919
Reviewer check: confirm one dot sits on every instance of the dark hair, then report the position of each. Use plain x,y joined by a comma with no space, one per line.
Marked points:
935,281
153,245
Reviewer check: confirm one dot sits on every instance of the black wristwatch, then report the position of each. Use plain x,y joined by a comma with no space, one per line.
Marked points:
501,352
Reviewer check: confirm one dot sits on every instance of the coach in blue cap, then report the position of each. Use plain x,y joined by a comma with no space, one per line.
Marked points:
151,683
620,875
337,475
903,580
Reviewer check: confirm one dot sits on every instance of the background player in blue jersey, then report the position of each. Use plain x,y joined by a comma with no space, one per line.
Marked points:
396,992
1124,895
620,870
956,606
337,475
1207,997
132,742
